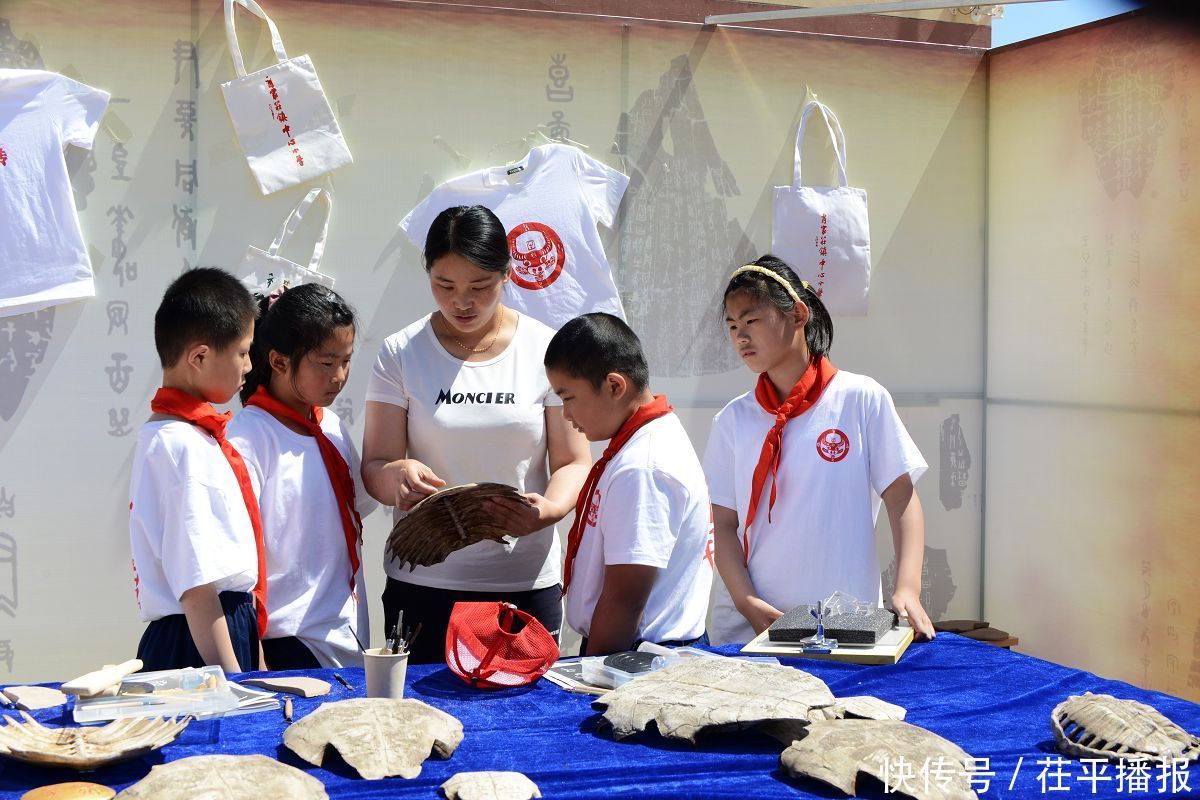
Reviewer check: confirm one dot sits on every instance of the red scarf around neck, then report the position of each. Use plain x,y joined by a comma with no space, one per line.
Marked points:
651,411
804,395
335,466
179,403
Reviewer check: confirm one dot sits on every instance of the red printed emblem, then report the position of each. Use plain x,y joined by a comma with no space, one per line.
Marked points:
537,253
3,158
137,582
833,445
593,513
710,550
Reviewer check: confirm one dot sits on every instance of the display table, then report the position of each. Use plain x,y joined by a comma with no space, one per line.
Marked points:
993,703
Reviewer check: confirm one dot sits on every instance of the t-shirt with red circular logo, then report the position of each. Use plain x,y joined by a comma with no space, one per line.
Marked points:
593,512
43,256
833,445
837,460
651,507
538,255
551,203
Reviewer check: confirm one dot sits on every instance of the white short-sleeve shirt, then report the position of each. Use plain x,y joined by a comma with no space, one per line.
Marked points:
651,507
837,460
43,259
188,524
470,422
308,567
550,203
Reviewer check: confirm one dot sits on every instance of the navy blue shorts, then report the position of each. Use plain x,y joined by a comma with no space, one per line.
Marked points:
431,607
167,642
288,652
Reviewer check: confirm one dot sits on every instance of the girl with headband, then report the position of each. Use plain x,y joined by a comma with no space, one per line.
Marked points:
799,467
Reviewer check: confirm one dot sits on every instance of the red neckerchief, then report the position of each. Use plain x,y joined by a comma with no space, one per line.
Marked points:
651,411
179,403
804,395
335,466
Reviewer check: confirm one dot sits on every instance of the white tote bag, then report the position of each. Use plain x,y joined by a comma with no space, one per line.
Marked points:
821,231
280,114
267,271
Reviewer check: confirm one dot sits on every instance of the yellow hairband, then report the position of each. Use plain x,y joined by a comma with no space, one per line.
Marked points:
774,275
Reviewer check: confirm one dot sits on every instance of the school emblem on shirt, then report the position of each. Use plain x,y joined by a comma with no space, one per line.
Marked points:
537,253
3,158
833,445
137,582
710,549
593,512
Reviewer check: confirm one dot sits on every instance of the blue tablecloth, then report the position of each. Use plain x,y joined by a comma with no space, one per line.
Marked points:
993,703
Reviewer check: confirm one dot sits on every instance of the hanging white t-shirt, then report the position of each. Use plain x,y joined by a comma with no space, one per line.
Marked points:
188,524
651,507
470,422
43,259
550,203
837,459
308,568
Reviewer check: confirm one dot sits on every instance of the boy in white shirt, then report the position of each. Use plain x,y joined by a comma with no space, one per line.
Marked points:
194,525
639,557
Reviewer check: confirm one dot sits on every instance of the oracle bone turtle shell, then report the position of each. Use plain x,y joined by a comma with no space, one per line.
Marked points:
85,748
446,521
683,699
1103,726
252,777
836,752
490,786
377,736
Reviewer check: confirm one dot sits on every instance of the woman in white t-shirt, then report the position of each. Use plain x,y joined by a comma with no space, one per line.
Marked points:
460,396
798,468
303,465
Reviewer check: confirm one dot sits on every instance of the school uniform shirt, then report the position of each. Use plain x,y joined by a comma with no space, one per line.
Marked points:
475,421
550,203
651,507
188,524
308,568
43,259
837,459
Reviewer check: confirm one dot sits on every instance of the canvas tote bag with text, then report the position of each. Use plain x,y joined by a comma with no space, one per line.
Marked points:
267,271
821,231
280,115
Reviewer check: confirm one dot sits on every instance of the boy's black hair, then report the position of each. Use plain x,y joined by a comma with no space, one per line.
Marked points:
295,325
206,305
593,345
473,232
818,333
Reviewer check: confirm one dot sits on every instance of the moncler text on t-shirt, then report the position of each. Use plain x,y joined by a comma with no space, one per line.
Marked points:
495,398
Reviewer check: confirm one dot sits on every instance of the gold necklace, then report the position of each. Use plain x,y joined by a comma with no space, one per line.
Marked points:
491,344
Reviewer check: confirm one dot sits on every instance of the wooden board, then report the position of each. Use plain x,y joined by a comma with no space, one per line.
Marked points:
887,651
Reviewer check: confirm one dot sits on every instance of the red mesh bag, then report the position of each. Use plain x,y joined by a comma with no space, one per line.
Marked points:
496,645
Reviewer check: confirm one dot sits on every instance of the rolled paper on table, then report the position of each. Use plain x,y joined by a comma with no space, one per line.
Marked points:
96,682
